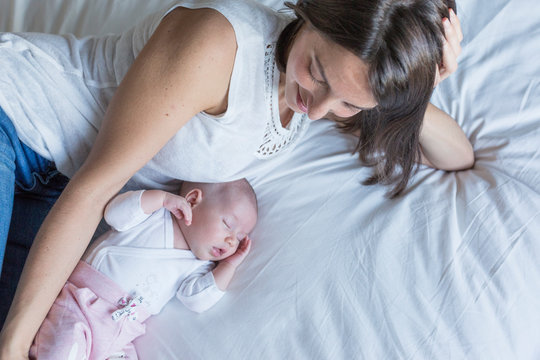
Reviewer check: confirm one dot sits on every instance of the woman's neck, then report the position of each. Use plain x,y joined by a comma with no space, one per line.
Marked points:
285,112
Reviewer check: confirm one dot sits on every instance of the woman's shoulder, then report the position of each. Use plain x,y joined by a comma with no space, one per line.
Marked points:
206,23
249,18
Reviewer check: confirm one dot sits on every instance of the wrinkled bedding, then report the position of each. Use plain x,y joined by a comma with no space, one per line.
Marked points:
338,271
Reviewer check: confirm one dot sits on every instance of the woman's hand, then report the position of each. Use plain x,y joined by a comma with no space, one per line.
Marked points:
8,355
451,47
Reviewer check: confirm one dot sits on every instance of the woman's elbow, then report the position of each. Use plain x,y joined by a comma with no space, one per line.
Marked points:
466,159
459,160
451,160
469,160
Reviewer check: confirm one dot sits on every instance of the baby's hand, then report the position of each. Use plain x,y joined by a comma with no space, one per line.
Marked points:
178,206
238,257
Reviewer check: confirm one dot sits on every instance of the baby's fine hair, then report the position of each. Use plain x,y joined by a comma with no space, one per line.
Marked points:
238,188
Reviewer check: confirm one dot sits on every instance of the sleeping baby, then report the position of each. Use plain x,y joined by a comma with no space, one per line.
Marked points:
160,244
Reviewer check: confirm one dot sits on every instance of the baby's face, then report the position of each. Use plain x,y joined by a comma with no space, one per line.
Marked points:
218,227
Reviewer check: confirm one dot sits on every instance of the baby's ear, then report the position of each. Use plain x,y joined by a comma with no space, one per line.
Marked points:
194,197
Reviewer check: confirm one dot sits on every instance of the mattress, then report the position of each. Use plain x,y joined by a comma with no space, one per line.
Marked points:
450,270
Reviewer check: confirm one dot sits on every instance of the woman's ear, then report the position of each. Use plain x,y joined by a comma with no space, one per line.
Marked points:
194,197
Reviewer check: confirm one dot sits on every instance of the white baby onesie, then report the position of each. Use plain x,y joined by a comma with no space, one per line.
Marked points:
138,254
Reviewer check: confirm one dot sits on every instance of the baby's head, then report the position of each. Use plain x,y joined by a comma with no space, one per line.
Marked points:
223,215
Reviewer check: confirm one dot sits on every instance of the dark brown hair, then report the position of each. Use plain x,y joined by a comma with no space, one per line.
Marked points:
401,42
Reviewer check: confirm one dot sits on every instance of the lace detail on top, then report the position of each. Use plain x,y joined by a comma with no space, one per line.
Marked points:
276,137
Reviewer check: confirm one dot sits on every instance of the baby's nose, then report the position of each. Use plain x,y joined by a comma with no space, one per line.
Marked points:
230,240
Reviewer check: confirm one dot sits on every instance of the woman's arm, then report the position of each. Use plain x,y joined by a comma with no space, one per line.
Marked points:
185,68
444,145
451,47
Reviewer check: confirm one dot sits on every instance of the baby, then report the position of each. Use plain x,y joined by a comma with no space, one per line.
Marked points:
160,244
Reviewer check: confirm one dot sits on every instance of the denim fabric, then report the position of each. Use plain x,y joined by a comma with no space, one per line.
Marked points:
29,187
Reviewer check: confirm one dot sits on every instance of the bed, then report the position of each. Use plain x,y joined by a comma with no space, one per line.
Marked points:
450,270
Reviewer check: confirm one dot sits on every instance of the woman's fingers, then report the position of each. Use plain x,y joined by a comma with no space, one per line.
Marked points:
449,63
437,76
451,47
454,19
453,33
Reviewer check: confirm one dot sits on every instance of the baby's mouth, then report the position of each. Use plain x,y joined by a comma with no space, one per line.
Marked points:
217,252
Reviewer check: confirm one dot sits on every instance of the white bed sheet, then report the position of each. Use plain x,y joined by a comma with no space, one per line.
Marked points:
337,271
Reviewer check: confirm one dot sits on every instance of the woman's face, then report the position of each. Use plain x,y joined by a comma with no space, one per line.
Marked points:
324,78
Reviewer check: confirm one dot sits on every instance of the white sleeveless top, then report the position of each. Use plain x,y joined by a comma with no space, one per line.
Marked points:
56,90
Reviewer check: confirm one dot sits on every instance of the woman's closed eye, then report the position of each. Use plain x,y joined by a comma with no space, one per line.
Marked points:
314,79
352,108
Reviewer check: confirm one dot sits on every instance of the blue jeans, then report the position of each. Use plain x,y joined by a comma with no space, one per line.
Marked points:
29,187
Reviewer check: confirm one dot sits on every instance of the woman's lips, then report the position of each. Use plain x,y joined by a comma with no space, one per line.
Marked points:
303,108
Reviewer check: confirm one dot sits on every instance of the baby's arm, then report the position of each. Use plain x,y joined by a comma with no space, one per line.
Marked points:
205,287
131,208
224,271
152,200
124,211
198,292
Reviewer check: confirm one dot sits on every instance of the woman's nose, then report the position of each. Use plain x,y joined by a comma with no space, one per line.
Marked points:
319,106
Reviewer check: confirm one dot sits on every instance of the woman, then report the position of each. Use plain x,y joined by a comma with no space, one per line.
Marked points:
194,93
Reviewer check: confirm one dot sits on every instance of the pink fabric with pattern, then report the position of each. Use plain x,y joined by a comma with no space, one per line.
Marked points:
80,324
